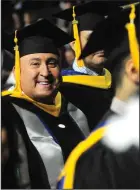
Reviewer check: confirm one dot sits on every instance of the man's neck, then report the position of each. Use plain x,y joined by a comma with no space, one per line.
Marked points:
124,93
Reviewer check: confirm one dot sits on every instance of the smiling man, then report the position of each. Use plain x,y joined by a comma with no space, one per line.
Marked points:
46,130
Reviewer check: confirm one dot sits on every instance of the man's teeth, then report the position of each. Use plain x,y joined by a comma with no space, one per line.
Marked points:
44,83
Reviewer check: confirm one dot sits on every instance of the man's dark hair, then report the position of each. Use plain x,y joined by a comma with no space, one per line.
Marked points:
119,69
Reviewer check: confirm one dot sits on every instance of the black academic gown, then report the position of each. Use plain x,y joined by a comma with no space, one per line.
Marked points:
101,168
94,102
67,138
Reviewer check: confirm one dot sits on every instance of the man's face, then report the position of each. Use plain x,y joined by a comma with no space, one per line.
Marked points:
95,60
40,75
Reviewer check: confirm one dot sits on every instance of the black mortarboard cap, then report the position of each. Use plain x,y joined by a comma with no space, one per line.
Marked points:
109,33
91,13
121,51
118,55
40,37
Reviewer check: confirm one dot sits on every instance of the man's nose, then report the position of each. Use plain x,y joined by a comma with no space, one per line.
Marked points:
44,70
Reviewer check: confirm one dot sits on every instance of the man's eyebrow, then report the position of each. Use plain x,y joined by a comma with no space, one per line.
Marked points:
35,59
51,58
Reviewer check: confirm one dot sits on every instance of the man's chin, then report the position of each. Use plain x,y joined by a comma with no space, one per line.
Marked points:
96,63
101,61
42,95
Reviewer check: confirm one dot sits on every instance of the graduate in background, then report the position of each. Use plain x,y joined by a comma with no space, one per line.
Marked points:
119,63
31,11
124,73
109,157
84,19
46,131
90,91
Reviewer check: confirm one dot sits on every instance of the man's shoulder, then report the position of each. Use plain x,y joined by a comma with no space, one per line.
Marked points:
69,89
103,163
118,148
9,102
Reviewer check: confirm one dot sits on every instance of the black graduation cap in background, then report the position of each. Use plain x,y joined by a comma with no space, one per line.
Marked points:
39,9
91,13
109,33
40,37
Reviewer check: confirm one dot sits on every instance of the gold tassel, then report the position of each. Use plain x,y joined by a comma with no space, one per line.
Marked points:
17,65
77,45
133,42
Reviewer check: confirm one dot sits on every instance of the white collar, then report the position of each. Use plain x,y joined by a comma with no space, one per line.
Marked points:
123,131
118,106
83,69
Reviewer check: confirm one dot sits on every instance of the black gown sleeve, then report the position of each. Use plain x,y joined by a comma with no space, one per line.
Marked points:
38,175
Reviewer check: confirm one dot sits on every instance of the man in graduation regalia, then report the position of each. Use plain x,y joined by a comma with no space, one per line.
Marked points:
46,130
119,63
109,157
88,84
84,18
124,73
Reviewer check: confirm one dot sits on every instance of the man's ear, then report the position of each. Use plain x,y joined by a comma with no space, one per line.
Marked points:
72,45
132,72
